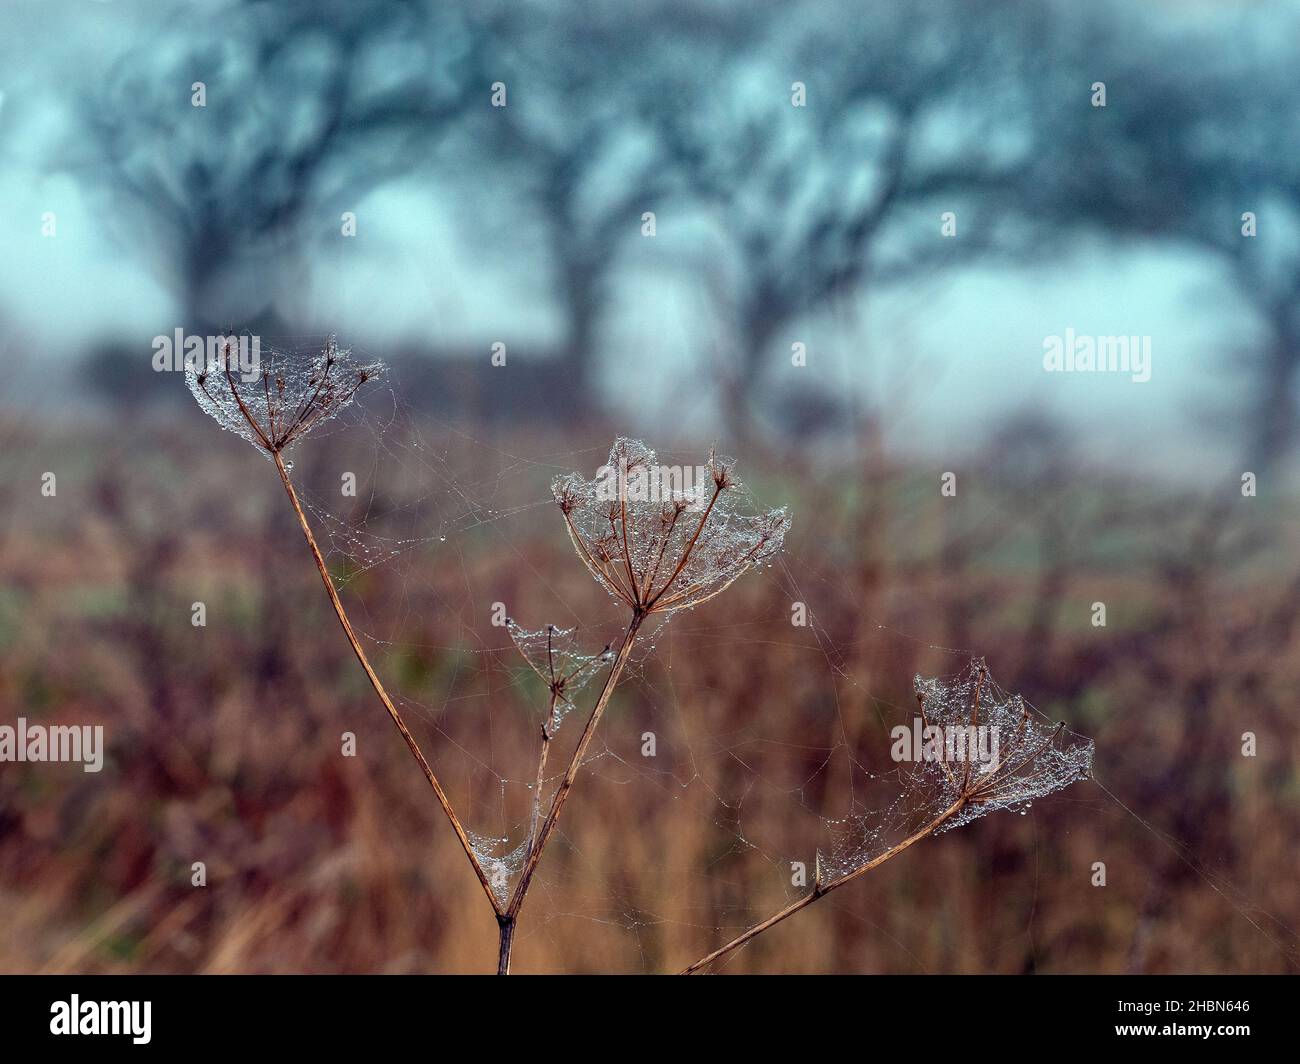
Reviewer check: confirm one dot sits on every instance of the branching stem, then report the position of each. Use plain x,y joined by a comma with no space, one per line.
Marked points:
543,834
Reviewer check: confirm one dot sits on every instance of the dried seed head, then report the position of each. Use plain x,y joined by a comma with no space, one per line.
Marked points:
720,469
293,395
564,496
1020,755
664,538
552,654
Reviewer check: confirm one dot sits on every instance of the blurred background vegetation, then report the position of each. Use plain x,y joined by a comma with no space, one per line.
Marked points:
127,212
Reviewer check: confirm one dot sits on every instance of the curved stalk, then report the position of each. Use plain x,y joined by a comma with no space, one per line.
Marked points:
822,889
375,682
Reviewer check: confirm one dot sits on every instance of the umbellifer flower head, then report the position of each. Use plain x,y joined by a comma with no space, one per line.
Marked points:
1031,757
664,538
291,396
974,749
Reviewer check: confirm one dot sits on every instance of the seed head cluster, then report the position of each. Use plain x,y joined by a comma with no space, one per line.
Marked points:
292,396
1035,757
674,550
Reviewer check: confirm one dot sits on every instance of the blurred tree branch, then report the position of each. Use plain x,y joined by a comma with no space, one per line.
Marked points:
308,106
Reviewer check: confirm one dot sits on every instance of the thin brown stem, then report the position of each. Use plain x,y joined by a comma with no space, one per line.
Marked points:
570,773
541,771
633,597
506,927
375,682
819,890
248,415
270,407
663,546
974,722
627,553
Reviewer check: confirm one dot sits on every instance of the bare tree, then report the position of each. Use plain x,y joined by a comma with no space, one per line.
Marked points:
1188,146
574,138
303,107
817,155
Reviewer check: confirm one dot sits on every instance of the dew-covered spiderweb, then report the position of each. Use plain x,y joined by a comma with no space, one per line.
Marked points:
274,398
748,750
564,671
663,536
969,740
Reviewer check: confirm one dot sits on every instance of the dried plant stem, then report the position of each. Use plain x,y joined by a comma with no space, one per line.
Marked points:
541,771
543,834
375,682
506,924
822,889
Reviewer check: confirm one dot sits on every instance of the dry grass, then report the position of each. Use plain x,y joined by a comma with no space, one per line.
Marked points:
224,747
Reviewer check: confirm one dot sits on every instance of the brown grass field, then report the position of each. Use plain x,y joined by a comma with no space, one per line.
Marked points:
224,741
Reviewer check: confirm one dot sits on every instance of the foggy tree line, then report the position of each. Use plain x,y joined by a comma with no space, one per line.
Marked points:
813,149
